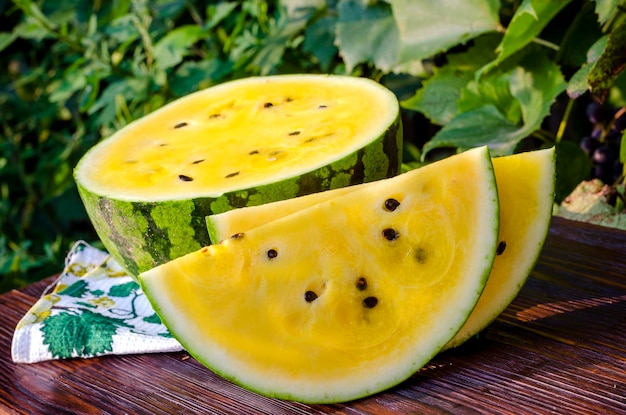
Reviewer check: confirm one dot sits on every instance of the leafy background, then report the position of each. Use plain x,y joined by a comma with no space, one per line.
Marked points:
513,74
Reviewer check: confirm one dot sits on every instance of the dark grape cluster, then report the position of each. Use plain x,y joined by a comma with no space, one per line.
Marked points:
603,143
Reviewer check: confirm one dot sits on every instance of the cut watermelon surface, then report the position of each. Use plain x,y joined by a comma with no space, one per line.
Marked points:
345,298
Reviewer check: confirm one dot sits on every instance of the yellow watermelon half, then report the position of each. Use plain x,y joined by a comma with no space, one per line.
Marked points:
345,298
148,188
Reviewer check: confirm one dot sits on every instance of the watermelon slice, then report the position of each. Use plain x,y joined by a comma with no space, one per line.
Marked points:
526,193
148,188
343,299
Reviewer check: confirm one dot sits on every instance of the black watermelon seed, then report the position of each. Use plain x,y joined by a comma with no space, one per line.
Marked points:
253,152
272,253
322,106
214,116
501,247
361,284
180,125
391,204
268,105
420,255
310,296
231,175
238,235
184,178
390,234
162,144
198,161
370,302
294,133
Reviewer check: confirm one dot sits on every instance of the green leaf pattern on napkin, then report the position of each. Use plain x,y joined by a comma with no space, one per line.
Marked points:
94,308
90,332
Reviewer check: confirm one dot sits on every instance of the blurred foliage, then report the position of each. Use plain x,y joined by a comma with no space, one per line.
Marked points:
509,74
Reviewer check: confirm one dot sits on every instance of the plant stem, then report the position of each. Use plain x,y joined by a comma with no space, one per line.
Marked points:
544,136
545,43
141,19
34,12
563,123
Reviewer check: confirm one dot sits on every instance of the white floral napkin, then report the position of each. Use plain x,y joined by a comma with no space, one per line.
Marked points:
94,308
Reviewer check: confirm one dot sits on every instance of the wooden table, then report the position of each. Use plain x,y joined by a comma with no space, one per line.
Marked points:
560,348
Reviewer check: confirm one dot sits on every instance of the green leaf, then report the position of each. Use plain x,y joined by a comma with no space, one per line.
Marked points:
527,23
319,38
490,108
129,89
536,83
85,334
192,76
123,290
428,27
33,11
162,9
605,62
367,33
6,38
31,29
122,29
174,46
77,289
477,55
482,126
605,9
441,97
152,319
297,9
437,99
218,12
495,89
73,81
282,34
59,14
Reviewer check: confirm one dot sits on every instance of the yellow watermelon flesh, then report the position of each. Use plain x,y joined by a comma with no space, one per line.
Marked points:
223,225
526,192
240,135
343,299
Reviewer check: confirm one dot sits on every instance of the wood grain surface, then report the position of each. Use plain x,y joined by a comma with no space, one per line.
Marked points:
560,348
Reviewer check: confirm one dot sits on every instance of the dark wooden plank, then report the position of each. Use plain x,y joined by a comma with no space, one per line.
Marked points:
560,348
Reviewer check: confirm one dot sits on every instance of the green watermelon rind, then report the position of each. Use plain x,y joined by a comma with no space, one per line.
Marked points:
141,235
